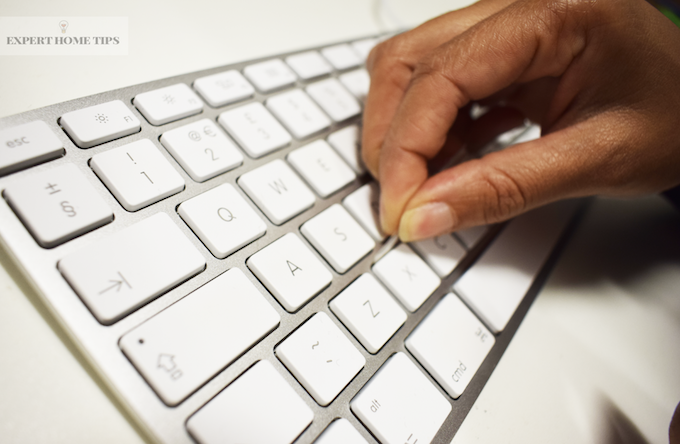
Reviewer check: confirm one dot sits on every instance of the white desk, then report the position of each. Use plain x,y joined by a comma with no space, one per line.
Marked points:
597,355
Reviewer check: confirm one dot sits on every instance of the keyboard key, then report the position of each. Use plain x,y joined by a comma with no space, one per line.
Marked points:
254,129
298,113
321,358
101,123
341,56
364,47
122,272
321,167
185,345
407,276
258,408
277,191
168,104
364,205
23,146
399,405
357,82
290,271
270,75
309,65
224,88
442,253
137,174
338,237
470,236
451,343
347,142
202,149
496,284
340,432
369,312
222,219
334,99
57,205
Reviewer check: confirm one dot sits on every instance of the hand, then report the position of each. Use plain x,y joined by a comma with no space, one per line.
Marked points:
599,76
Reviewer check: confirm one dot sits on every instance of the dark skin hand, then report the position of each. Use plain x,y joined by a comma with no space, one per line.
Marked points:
600,77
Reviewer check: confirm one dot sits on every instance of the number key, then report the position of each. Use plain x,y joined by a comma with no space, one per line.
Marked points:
137,174
202,149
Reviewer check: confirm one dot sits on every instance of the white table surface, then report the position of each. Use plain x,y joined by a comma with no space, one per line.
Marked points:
595,361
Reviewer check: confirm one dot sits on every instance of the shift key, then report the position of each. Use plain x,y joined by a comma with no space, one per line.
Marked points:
128,269
188,343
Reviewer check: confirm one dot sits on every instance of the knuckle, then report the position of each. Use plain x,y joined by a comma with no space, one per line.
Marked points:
504,195
387,53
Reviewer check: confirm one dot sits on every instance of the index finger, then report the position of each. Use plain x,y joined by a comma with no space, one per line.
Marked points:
511,46
391,65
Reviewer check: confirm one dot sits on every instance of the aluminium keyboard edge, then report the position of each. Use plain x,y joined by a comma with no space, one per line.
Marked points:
99,344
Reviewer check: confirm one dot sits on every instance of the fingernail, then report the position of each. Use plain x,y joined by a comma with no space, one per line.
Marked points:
382,215
429,220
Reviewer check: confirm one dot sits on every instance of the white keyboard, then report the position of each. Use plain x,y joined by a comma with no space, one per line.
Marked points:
210,243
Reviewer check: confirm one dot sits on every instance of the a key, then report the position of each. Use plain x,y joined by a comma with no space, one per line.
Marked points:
101,123
399,405
364,204
451,343
407,276
442,253
168,104
347,142
334,99
57,205
277,191
369,312
137,174
309,65
290,271
258,408
338,237
202,149
341,56
340,431
224,88
298,113
363,47
222,219
124,271
23,146
270,75
357,82
470,236
496,284
321,167
321,357
185,345
254,129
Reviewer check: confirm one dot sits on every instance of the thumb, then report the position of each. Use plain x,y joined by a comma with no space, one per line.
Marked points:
504,184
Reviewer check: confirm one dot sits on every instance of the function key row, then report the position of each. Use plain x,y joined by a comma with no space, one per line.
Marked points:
101,123
29,144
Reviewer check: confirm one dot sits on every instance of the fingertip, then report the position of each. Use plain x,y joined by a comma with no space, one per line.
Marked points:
425,221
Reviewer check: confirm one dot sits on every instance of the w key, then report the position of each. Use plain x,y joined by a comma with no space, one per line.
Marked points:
277,191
